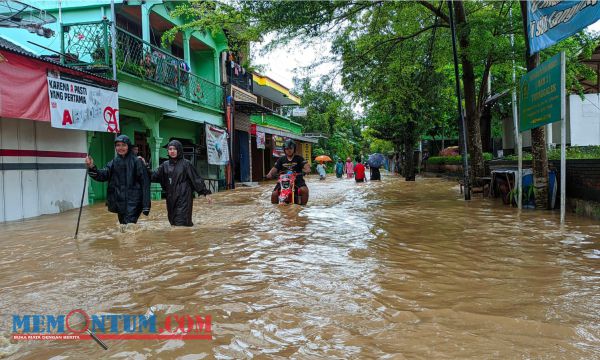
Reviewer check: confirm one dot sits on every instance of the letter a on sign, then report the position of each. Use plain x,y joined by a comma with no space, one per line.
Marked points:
67,118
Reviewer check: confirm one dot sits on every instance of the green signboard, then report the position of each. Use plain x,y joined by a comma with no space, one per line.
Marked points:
540,95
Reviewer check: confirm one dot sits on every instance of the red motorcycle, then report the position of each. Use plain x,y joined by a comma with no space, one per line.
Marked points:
287,191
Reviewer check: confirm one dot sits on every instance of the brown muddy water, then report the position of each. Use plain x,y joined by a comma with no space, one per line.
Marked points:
389,270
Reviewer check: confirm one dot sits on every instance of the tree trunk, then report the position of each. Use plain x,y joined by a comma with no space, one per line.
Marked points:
471,108
538,135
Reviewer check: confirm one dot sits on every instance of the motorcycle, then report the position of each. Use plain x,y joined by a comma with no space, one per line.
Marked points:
287,191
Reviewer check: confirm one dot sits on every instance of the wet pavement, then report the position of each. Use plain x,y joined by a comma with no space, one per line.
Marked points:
390,270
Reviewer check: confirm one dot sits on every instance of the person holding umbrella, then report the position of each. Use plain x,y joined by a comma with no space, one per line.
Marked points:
375,162
374,173
321,171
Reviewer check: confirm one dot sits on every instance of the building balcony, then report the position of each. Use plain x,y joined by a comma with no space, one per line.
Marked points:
277,121
88,45
238,76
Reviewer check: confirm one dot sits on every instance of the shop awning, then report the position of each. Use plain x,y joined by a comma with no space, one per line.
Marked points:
290,135
251,108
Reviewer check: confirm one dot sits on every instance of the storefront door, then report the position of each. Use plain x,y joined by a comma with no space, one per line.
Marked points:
244,155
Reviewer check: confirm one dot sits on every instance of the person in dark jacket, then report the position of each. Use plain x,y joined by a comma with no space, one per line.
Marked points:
128,192
375,174
179,179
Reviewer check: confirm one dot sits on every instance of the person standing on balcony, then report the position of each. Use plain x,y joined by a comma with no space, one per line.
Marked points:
179,179
128,192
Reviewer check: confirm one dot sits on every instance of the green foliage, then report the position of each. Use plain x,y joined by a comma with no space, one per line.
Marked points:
453,160
445,160
329,113
129,66
577,47
576,152
217,18
526,156
372,144
573,153
529,194
512,196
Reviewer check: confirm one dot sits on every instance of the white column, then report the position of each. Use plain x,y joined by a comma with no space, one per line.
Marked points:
146,22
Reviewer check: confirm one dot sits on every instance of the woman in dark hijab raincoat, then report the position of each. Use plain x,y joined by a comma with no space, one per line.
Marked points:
179,179
128,192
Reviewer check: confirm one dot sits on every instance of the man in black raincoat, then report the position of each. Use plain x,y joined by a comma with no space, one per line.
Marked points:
179,179
128,192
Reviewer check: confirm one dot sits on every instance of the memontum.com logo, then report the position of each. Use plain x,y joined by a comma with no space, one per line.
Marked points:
78,325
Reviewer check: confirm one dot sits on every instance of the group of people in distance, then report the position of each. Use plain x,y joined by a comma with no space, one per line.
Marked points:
356,171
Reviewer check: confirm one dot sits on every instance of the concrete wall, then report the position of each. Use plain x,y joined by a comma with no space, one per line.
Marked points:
583,124
203,64
41,169
508,136
585,120
583,178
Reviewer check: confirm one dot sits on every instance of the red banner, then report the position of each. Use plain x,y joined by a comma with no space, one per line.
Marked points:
24,86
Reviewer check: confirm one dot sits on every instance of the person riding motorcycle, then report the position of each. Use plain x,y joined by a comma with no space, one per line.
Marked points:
294,163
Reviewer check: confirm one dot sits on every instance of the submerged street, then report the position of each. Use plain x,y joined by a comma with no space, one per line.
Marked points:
389,269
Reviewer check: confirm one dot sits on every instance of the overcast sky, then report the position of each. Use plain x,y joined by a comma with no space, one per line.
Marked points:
283,63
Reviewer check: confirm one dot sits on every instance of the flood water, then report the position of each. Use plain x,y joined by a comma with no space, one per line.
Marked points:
389,270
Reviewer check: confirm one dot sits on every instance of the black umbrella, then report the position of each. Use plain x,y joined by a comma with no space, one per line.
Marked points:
376,160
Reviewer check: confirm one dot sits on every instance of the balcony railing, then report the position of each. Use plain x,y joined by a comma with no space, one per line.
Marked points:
239,77
88,45
138,57
201,91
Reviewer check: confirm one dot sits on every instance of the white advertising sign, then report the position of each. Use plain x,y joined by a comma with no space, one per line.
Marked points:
260,140
75,105
299,112
216,146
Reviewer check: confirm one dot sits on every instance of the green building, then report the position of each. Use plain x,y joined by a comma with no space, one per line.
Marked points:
164,93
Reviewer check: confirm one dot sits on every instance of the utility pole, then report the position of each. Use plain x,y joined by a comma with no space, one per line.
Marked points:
518,135
113,35
460,109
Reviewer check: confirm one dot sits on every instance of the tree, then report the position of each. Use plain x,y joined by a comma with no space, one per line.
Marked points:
329,113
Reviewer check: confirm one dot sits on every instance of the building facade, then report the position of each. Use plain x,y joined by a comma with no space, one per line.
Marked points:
42,168
165,93
274,126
